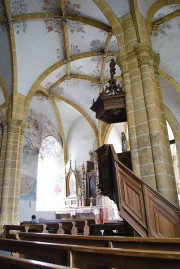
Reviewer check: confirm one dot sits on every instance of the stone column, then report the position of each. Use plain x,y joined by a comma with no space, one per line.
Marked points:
140,135
123,64
10,191
156,61
18,174
165,181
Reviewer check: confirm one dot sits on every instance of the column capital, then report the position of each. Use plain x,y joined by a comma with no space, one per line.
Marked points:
143,53
143,50
24,126
121,60
156,63
13,125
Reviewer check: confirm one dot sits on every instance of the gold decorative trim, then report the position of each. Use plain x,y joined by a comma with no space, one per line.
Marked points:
13,48
52,68
51,16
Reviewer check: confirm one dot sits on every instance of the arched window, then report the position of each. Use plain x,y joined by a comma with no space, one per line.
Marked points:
174,158
71,184
51,176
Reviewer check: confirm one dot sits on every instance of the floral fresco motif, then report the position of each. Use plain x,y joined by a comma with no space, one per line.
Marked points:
166,10
56,24
51,6
58,90
19,7
48,85
60,53
114,46
72,8
53,25
28,188
71,82
74,50
76,69
76,27
97,45
162,29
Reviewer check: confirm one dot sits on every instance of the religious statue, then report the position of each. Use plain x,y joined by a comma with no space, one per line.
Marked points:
124,142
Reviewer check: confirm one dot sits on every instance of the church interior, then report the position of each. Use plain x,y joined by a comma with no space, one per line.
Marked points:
90,114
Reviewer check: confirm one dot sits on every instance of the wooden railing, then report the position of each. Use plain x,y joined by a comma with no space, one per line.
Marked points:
146,210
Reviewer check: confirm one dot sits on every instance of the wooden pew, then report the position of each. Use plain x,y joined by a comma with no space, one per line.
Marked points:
93,257
7,228
67,225
107,229
9,262
105,241
9,231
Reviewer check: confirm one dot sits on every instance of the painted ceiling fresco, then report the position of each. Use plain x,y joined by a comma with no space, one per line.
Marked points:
165,41
68,49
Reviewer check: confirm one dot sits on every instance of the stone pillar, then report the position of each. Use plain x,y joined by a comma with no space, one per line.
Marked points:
156,60
159,144
10,188
140,140
123,64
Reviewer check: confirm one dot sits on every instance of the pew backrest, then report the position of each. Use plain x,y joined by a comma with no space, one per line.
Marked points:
105,241
9,262
10,231
93,257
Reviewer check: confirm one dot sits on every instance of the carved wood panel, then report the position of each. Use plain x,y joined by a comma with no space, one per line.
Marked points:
163,217
132,202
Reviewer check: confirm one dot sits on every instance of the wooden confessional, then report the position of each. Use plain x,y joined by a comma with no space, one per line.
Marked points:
146,210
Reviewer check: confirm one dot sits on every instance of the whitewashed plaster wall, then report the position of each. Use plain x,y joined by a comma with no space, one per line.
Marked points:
80,141
40,127
115,136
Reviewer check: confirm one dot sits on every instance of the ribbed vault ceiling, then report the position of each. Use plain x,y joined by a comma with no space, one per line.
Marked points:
63,48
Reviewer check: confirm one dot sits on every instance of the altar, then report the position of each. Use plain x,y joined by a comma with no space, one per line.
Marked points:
83,198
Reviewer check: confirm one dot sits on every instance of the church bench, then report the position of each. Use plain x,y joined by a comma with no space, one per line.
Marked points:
10,262
10,230
105,241
65,226
93,257
11,235
107,229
